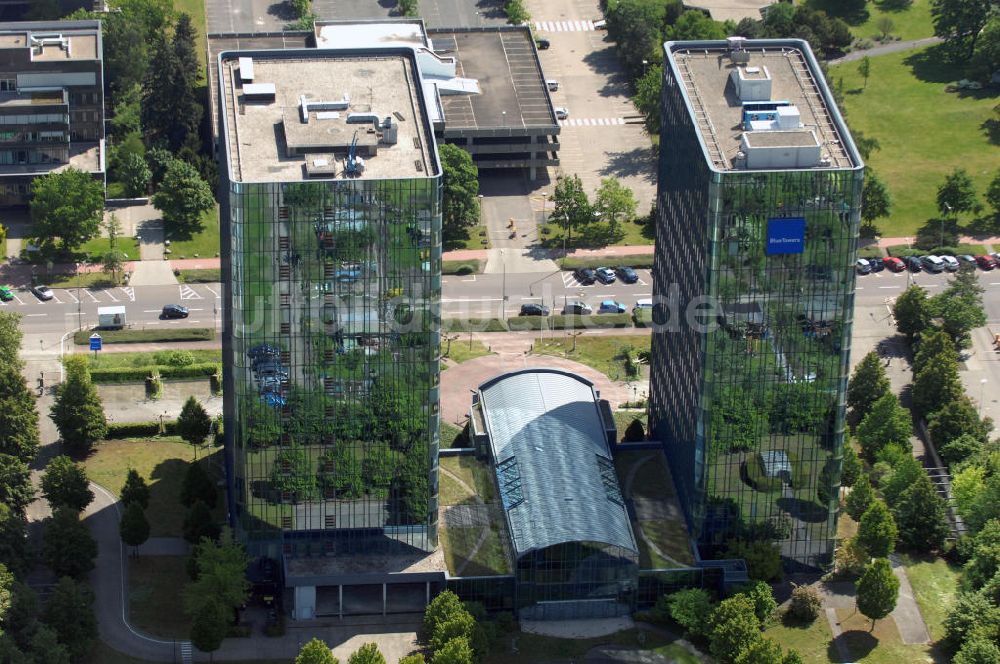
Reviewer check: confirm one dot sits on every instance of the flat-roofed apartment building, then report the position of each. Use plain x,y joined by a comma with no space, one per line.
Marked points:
331,247
51,103
758,209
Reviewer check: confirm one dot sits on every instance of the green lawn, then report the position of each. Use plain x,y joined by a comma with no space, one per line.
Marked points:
162,335
535,649
110,360
599,352
924,131
472,472
209,276
203,244
635,234
476,237
912,23
96,248
935,584
154,599
86,280
460,350
162,462
473,266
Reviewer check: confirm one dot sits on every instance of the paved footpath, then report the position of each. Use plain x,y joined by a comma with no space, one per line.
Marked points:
885,49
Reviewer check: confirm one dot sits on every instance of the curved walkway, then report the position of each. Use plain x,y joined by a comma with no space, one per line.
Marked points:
109,581
885,49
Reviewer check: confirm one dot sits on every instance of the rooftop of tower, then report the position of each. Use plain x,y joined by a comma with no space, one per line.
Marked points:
761,105
292,116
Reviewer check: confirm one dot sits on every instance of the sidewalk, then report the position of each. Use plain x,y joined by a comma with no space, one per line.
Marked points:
624,250
989,241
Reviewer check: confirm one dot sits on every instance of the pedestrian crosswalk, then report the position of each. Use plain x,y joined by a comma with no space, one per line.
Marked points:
564,26
188,293
591,122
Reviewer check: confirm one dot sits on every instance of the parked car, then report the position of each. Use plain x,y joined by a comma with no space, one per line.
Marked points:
950,263
6,293
561,112
605,275
263,350
542,44
627,274
965,261
43,293
986,262
585,275
271,370
877,264
611,307
600,24
577,308
532,309
913,263
862,266
894,264
645,303
552,84
932,264
174,311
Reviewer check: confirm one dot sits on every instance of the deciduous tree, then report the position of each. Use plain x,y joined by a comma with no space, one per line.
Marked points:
912,311
135,489
958,418
690,608
648,93
868,384
960,305
70,612
860,498
209,626
18,416
876,203
877,531
456,651
65,484
762,597
959,449
733,628
865,69
16,490
960,21
617,205
67,205
957,193
993,192
887,423
78,412
67,546
764,650
222,569
193,424
133,527
316,652
852,467
444,606
183,197
197,485
936,385
877,589
459,202
366,654
135,175
977,650
516,12
199,523
919,516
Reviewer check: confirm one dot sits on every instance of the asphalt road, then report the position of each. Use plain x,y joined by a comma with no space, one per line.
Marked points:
71,307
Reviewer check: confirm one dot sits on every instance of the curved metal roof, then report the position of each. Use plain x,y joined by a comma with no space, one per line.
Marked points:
553,465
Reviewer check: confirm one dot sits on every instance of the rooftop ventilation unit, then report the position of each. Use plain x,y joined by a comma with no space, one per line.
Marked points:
246,70
259,92
307,105
39,41
737,50
390,131
751,83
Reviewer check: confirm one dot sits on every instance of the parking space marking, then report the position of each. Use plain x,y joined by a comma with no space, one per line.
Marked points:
212,291
108,293
19,300
54,297
188,293
591,122
75,299
91,295
569,281
129,292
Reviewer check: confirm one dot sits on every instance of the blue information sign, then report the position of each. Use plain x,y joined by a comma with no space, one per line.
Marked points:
95,342
786,235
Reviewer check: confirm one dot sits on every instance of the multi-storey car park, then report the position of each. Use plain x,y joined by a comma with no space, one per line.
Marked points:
331,255
758,210
51,103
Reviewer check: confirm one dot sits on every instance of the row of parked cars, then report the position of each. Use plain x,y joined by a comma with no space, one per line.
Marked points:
606,275
271,376
580,308
932,264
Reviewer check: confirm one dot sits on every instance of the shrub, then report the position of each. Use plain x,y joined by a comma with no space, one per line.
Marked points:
173,358
690,608
634,432
805,603
762,557
118,430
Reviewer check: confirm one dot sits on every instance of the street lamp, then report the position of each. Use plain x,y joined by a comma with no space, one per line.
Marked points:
947,208
645,63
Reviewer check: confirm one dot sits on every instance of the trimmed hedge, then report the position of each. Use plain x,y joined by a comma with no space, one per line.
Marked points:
633,260
533,323
82,337
200,276
473,266
119,430
139,374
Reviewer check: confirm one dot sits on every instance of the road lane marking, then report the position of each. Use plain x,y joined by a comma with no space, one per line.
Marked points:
195,309
34,315
151,311
890,286
212,291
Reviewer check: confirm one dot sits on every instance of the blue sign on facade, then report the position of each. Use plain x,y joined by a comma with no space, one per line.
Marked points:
95,342
786,235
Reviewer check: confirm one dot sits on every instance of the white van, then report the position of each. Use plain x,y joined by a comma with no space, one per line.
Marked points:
552,84
645,303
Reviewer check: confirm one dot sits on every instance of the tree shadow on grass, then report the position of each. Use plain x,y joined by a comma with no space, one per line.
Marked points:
936,64
856,642
991,128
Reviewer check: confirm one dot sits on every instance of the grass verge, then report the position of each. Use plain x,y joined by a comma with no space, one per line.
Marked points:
462,351
632,260
935,584
634,233
82,337
115,360
472,266
904,107
449,435
912,23
476,237
203,244
84,280
209,276
602,353
154,598
97,247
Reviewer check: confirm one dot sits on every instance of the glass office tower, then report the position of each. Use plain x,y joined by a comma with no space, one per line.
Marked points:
757,224
332,267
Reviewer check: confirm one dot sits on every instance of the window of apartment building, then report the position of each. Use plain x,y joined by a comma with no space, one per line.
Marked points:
8,84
